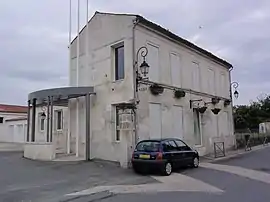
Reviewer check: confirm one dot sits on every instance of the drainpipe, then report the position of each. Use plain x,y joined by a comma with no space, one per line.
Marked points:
136,99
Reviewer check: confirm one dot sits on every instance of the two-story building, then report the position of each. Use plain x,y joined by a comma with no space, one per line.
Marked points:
187,93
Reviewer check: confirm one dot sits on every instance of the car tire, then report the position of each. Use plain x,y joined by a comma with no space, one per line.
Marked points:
195,162
167,169
137,170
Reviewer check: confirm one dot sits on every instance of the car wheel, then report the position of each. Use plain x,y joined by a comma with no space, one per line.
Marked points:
195,163
167,170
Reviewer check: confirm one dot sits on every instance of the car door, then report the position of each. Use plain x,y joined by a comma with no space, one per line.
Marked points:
186,152
170,152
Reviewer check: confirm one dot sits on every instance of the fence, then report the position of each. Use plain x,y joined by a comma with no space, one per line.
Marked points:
249,140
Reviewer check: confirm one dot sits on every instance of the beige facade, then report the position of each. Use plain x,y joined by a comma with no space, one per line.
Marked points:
172,64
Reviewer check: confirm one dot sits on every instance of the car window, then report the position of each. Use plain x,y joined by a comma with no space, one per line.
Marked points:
169,146
182,146
148,146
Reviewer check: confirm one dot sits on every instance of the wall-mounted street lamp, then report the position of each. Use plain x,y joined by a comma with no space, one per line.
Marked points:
143,68
43,116
235,86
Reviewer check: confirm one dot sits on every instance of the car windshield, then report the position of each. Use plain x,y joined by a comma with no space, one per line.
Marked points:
148,146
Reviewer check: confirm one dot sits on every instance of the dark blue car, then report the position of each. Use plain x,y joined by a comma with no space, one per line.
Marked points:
163,155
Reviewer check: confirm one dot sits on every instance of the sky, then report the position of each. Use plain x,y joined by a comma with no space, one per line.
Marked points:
34,39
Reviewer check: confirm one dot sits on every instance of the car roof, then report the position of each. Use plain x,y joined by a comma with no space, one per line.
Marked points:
160,140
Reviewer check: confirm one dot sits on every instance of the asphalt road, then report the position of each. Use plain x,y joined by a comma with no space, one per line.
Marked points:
236,188
242,178
23,180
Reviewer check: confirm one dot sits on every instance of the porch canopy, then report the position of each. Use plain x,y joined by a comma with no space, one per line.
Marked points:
55,97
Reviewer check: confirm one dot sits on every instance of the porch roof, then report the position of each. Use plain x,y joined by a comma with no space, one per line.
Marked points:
60,94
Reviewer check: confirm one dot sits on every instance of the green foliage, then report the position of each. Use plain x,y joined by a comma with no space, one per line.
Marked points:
250,116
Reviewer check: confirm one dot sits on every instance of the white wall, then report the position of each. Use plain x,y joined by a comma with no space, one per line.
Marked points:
59,136
182,67
105,31
13,131
7,134
164,56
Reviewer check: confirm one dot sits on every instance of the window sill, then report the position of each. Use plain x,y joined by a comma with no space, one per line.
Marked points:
118,81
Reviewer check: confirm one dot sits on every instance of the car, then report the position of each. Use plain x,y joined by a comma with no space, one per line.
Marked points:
164,155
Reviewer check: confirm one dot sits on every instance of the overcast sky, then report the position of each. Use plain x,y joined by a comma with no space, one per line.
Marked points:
34,39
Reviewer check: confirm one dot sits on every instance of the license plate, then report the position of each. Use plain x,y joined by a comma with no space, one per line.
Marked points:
144,156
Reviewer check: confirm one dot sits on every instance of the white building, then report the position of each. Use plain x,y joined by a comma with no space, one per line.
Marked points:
110,68
13,123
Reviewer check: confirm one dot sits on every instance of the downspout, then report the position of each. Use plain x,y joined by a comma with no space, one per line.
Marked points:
136,99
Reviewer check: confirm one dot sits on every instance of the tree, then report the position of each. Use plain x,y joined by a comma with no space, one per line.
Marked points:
250,116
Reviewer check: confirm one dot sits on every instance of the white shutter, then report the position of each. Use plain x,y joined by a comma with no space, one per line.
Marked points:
211,82
177,122
155,120
153,61
195,76
175,70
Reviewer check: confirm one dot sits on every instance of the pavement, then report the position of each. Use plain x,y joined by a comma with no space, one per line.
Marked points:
242,177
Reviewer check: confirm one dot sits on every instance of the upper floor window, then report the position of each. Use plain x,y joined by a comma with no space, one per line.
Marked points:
196,76
1,119
119,63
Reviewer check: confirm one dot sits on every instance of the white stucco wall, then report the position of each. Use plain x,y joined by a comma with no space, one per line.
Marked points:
105,31
211,131
13,131
59,136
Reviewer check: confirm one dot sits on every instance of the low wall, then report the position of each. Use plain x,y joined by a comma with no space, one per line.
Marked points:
39,151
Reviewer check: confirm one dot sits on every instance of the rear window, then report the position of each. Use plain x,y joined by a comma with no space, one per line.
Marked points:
148,146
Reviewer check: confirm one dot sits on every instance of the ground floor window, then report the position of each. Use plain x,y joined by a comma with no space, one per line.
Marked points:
117,124
1,119
41,122
197,127
59,119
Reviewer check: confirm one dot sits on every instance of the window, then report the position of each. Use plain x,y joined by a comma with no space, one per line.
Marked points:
175,70
41,122
117,122
119,63
182,146
195,76
1,119
59,119
148,146
197,127
153,61
169,146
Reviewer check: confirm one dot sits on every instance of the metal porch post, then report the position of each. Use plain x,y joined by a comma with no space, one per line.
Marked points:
48,120
33,120
87,138
51,120
28,121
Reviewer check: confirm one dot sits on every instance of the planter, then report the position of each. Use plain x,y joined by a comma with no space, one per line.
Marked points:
202,109
156,89
215,110
215,100
226,103
179,94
